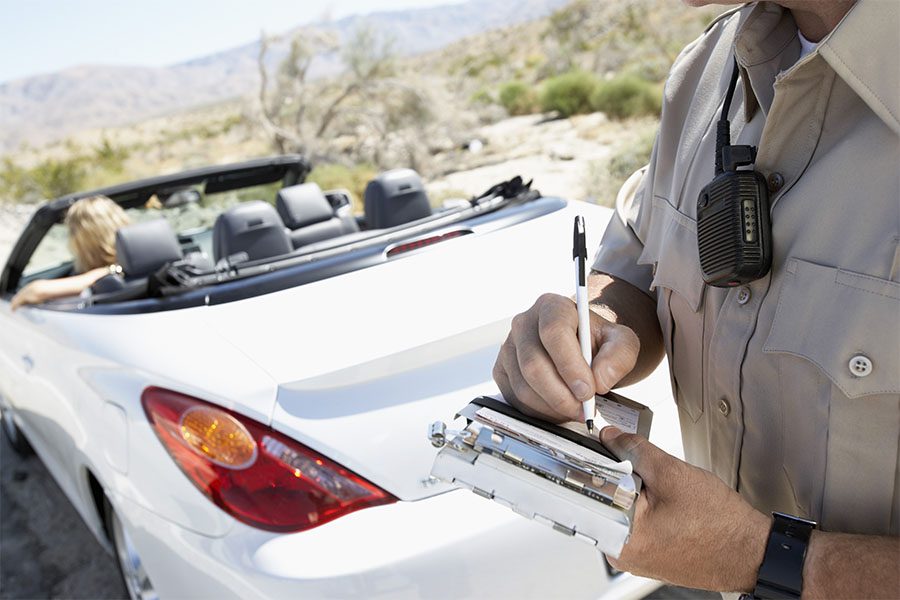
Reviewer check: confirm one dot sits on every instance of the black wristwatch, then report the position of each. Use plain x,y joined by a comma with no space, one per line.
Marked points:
781,573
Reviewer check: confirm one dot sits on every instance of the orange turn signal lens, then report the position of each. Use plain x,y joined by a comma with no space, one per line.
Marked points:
218,437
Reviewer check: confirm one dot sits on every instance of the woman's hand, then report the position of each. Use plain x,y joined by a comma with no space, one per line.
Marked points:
42,290
33,293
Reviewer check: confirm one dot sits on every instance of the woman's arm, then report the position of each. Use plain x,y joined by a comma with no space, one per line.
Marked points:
42,290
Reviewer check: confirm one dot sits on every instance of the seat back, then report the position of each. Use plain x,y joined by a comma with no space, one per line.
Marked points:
394,198
142,248
252,227
308,215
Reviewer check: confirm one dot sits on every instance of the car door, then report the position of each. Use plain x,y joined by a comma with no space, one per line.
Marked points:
36,375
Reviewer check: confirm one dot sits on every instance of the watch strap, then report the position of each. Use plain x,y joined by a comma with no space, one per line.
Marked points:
781,573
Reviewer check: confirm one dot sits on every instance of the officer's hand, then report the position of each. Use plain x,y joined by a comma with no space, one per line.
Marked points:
540,369
690,529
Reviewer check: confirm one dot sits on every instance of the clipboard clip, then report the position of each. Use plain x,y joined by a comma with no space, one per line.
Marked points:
438,434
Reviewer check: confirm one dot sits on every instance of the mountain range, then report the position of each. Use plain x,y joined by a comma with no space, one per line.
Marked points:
45,108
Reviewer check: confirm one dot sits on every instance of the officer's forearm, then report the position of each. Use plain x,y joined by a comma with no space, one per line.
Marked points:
619,301
840,565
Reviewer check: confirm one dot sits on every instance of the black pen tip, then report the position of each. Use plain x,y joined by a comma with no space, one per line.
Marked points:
590,425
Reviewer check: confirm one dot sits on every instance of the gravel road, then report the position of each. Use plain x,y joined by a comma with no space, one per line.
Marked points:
45,549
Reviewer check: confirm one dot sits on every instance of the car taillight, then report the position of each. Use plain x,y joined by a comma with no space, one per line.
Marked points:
252,472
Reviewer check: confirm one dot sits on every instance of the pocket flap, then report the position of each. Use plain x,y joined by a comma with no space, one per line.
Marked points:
830,317
672,247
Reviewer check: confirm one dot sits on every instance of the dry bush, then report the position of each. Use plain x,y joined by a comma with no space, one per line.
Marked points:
569,94
627,96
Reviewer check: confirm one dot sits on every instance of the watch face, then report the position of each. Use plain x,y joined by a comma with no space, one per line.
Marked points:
794,519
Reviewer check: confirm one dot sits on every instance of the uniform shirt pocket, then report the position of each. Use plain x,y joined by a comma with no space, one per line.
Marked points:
838,334
671,247
846,324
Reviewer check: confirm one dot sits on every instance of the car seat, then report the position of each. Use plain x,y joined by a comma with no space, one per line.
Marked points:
308,215
394,198
143,248
252,227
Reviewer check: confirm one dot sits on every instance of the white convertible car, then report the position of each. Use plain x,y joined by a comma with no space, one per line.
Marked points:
244,412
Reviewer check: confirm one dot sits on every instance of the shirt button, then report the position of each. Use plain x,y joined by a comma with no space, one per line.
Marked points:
775,182
743,296
724,407
860,365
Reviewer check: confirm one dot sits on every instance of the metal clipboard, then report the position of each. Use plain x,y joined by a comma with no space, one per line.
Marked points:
547,473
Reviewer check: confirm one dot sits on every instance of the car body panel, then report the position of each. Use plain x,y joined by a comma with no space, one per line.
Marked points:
454,546
430,343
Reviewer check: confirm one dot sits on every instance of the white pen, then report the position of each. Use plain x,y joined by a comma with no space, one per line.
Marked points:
579,253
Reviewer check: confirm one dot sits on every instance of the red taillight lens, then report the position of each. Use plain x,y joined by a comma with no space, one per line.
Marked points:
252,472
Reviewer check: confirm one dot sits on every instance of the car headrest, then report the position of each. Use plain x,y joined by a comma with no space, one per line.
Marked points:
108,284
302,205
394,198
142,248
252,227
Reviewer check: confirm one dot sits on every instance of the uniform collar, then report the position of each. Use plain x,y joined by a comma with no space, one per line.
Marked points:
766,44
862,50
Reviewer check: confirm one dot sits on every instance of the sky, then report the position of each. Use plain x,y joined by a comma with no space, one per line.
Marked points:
42,36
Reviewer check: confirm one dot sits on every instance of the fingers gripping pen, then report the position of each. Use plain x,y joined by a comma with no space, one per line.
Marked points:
579,253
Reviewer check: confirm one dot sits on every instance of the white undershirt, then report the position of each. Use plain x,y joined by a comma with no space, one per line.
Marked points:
806,46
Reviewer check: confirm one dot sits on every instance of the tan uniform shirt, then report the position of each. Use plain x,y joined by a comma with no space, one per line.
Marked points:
788,388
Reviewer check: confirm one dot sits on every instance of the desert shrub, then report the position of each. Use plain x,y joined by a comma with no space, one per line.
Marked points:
627,96
354,179
569,94
57,177
15,184
482,97
109,156
518,98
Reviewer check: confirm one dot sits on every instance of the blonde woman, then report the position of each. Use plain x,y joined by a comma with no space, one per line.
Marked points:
92,224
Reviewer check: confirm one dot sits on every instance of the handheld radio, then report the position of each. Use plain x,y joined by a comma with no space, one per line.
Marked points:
734,232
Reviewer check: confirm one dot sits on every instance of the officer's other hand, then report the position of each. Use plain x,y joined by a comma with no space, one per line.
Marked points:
540,369
690,529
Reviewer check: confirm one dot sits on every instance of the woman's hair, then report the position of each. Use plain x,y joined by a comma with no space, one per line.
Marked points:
92,223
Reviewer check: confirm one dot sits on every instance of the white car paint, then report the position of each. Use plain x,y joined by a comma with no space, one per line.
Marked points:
356,367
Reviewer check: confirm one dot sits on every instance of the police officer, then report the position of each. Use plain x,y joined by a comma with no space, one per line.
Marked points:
788,387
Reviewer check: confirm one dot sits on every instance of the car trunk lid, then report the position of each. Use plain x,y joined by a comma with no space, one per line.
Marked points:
366,361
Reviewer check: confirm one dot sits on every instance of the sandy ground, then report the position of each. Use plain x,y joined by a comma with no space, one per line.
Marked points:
557,154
